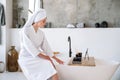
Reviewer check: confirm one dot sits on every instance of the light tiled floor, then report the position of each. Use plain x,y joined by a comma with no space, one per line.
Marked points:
12,76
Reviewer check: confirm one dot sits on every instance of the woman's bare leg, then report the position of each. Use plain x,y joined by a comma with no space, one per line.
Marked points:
55,77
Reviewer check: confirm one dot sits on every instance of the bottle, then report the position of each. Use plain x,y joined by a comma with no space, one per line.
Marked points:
97,25
12,60
104,24
2,67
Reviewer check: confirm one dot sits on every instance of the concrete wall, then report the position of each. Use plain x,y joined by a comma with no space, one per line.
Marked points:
63,12
92,11
20,11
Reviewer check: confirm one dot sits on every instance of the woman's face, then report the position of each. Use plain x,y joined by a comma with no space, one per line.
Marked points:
42,23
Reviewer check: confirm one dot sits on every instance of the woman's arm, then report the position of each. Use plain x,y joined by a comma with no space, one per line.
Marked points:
58,60
47,58
44,56
46,48
27,43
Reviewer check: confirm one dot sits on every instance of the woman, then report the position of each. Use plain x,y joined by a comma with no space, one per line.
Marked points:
35,55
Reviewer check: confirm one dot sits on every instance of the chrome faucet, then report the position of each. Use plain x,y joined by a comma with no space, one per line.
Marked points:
70,51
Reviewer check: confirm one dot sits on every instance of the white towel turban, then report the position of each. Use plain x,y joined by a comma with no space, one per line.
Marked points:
36,16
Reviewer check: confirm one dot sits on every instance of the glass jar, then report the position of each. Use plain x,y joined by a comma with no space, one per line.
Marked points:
2,67
12,60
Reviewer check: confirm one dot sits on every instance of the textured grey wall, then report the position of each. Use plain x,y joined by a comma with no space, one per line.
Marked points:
63,12
92,11
20,11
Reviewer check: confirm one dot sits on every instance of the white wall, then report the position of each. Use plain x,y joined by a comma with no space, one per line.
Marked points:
3,32
5,29
3,45
3,2
9,13
102,43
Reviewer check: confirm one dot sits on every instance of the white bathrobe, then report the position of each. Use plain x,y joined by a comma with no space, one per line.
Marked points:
33,43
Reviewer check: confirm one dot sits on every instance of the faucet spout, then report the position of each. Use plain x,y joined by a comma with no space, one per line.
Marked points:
70,51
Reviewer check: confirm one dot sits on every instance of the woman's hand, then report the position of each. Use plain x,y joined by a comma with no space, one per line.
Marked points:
47,58
44,56
58,60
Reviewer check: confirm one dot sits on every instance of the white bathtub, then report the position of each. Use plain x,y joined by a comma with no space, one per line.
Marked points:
104,70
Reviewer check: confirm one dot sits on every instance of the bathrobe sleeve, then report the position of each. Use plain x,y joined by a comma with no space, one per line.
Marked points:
30,47
46,47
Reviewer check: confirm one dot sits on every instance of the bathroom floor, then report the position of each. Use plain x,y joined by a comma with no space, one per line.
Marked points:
12,76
